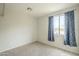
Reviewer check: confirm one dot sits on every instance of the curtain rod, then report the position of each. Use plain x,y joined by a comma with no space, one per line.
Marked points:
62,11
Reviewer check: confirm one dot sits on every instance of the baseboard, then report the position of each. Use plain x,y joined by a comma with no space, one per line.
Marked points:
41,43
59,48
17,46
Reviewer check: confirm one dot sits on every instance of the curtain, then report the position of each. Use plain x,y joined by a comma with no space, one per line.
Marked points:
50,29
70,38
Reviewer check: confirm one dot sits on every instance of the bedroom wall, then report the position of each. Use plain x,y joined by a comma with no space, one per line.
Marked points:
16,28
59,40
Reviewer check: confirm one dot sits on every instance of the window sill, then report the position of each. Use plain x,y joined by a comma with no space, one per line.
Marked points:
59,35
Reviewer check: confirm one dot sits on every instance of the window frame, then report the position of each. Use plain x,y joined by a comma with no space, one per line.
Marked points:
59,27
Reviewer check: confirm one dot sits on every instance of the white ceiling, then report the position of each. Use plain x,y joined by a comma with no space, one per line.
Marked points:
43,9
40,9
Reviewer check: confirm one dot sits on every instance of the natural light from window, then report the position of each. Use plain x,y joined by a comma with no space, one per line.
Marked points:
59,21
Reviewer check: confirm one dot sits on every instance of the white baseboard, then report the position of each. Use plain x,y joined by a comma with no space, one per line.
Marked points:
58,48
17,46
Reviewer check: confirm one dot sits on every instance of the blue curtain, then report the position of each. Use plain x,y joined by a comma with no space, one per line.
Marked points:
70,38
50,29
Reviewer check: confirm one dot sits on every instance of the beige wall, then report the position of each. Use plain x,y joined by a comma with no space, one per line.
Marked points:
16,28
59,40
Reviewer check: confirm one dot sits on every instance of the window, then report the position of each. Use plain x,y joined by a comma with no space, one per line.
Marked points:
59,24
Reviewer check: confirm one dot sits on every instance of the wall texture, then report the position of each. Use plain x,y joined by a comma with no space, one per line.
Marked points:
16,28
59,40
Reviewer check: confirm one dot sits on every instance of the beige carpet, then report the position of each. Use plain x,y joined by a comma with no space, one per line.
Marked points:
36,49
